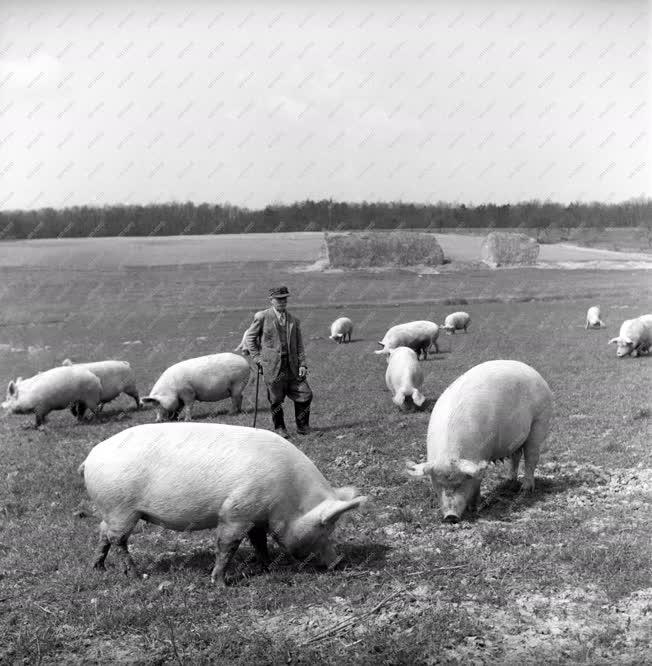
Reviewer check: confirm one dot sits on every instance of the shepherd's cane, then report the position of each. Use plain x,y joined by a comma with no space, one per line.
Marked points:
259,371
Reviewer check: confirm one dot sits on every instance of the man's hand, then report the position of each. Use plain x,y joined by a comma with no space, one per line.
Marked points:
303,371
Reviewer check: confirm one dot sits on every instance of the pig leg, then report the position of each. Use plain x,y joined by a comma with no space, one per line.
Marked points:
40,418
236,399
399,400
436,347
189,410
474,500
117,534
515,460
132,392
102,549
176,412
531,450
81,410
258,538
229,536
187,397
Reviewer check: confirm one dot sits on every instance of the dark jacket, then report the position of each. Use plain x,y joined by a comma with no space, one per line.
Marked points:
263,340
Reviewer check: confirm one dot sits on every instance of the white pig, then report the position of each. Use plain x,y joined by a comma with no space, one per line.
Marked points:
635,336
116,377
496,410
58,388
404,376
206,378
593,318
457,321
340,328
196,476
417,335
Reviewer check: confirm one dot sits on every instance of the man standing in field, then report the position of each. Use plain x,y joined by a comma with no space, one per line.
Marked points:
275,344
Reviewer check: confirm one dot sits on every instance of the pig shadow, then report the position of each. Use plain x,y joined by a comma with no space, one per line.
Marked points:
506,499
245,563
199,414
114,414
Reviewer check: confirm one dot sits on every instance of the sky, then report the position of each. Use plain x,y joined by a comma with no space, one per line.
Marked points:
256,104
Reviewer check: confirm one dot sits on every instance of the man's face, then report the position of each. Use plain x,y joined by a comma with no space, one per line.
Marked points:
280,304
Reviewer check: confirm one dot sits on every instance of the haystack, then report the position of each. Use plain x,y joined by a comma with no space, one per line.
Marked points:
378,248
500,248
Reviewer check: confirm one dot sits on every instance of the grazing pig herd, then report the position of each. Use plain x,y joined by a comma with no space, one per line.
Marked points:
252,482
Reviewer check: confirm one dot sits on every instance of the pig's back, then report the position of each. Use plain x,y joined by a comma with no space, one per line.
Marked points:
487,412
181,475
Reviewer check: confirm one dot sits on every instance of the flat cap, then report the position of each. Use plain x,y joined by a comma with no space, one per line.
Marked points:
279,292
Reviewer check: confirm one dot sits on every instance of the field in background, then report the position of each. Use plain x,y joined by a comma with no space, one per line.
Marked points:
109,253
562,576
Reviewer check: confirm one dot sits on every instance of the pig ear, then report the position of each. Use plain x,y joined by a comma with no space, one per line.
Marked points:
150,401
11,389
472,469
421,469
66,362
333,509
613,341
346,493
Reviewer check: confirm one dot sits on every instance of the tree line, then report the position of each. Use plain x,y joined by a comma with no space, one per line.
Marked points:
188,218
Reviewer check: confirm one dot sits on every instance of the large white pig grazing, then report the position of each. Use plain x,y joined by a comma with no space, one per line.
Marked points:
417,335
241,481
635,336
457,321
496,410
58,388
340,329
206,379
593,318
404,376
116,377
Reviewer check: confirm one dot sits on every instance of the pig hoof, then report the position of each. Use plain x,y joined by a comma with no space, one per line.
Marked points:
218,581
99,566
527,487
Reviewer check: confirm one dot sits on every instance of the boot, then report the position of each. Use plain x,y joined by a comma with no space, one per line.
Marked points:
278,420
302,416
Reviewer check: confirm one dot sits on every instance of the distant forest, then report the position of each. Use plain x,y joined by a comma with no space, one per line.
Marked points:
171,219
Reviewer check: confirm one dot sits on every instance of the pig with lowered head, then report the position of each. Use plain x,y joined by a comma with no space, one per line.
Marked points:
457,321
634,337
495,410
341,328
58,388
404,377
206,378
195,476
417,335
593,318
116,377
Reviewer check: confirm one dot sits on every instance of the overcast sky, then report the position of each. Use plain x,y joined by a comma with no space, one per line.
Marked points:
251,103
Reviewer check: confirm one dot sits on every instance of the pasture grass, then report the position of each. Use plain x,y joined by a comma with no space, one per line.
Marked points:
561,576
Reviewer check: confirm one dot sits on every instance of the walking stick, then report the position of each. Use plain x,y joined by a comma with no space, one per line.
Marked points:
258,373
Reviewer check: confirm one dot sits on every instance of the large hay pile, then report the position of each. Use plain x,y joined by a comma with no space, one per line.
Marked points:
505,249
383,248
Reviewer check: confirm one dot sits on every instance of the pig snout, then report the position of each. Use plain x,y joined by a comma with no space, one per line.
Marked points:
451,518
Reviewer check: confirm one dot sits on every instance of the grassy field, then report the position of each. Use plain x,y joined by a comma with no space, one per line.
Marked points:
562,576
